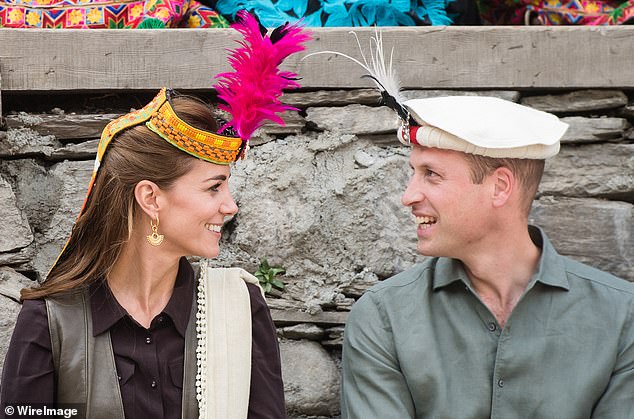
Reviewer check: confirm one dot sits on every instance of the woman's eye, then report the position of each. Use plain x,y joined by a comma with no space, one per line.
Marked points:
215,187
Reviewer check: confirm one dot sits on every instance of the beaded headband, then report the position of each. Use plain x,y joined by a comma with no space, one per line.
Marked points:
160,117
208,146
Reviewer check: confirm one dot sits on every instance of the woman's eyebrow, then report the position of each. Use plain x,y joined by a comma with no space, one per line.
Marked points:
218,177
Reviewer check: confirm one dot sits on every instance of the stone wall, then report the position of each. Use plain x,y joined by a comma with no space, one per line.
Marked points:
321,198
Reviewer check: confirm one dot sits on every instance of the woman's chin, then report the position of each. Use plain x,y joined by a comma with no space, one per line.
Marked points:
210,253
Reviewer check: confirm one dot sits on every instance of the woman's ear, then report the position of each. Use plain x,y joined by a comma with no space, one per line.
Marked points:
504,183
146,194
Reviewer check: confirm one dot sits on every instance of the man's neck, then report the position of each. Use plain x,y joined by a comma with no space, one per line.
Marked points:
501,269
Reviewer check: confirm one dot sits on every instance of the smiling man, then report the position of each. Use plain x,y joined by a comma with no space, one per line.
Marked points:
495,324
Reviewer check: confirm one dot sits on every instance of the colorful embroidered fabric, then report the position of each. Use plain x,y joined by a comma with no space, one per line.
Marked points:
107,14
353,12
552,12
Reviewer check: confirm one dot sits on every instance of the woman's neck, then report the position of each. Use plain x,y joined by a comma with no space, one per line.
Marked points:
142,280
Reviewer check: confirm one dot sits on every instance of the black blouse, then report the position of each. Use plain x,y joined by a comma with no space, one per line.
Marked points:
149,362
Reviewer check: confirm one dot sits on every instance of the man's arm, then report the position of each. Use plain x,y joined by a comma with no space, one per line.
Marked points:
618,399
373,385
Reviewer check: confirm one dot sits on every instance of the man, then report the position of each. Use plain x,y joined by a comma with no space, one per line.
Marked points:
495,324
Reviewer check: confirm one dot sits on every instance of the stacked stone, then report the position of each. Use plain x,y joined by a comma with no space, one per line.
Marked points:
321,198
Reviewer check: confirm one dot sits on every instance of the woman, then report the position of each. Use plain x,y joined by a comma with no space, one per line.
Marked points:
118,327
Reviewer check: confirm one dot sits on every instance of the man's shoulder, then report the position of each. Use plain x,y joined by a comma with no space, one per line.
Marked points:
401,282
392,294
582,273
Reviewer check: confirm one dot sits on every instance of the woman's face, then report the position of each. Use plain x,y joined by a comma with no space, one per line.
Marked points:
193,210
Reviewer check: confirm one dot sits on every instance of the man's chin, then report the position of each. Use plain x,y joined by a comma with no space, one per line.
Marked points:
425,249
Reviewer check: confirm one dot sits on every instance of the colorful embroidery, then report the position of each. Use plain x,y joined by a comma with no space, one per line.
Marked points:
106,14
553,12
205,145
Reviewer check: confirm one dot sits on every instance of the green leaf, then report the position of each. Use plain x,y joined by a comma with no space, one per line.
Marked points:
267,287
278,284
275,271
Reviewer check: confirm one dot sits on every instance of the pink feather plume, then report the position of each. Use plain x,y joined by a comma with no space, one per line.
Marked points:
251,92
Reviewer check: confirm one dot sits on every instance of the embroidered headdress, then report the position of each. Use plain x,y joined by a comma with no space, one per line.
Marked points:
486,126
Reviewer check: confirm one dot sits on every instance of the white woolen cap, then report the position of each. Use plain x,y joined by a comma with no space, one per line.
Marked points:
486,126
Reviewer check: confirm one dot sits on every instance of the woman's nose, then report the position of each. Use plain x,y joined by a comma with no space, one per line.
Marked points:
229,207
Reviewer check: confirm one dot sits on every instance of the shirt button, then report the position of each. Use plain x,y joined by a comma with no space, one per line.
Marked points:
492,326
148,340
119,377
153,385
160,319
500,383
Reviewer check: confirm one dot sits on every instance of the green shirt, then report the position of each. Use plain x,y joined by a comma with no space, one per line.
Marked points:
422,345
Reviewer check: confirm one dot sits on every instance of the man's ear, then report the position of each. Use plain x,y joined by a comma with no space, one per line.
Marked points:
146,194
504,183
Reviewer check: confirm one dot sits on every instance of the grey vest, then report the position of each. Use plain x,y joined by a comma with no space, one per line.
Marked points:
84,364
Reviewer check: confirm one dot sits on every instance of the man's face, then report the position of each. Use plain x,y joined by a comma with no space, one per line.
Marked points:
452,213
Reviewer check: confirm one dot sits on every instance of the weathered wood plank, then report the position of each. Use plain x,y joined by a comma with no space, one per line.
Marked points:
331,318
65,127
427,57
72,127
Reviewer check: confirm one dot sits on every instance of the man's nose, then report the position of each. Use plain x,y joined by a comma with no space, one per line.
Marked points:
413,193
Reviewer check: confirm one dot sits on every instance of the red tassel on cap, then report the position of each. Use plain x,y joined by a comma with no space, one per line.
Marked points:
413,129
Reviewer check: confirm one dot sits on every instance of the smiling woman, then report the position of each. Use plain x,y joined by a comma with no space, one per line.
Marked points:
119,327
131,296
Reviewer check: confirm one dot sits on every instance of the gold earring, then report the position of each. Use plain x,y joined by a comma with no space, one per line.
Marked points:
155,239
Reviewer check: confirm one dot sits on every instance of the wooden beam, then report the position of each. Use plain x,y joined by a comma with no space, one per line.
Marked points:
324,318
425,57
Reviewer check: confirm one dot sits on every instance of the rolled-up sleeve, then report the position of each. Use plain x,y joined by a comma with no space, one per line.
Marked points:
373,385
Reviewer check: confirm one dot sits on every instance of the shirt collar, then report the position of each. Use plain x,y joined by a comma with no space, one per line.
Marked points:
180,304
106,310
551,270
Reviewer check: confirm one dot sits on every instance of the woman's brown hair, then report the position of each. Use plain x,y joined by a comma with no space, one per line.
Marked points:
105,226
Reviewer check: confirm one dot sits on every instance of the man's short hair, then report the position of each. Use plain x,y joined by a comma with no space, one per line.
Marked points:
528,172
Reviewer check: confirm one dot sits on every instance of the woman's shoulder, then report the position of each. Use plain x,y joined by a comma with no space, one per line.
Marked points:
33,309
32,323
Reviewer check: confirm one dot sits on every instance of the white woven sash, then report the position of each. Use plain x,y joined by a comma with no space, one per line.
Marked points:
224,342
